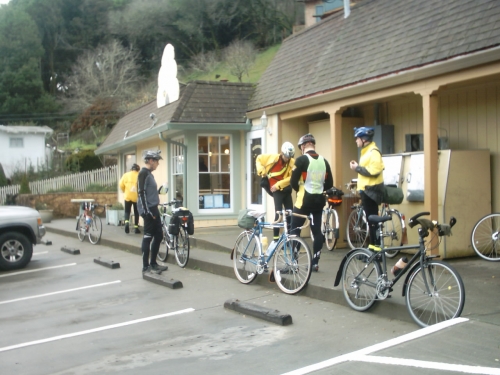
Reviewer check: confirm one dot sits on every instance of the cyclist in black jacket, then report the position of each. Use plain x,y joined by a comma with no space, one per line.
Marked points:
311,175
148,209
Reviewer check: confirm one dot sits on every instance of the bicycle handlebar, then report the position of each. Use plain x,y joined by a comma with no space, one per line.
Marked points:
426,224
288,213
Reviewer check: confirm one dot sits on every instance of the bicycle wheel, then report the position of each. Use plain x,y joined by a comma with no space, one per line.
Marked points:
81,227
330,228
182,247
95,229
393,233
359,280
164,246
246,256
357,229
446,297
485,237
292,265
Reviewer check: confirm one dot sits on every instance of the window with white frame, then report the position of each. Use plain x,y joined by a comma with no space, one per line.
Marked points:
214,171
16,142
177,159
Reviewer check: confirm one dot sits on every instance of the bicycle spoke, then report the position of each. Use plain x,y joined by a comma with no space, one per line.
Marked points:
444,299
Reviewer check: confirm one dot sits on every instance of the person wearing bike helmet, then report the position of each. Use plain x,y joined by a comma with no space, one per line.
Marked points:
128,185
275,170
311,176
370,177
148,209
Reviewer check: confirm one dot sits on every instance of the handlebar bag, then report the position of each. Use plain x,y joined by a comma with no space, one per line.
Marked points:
245,221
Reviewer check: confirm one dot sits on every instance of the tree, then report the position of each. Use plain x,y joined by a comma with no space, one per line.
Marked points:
109,71
3,178
240,56
25,186
21,87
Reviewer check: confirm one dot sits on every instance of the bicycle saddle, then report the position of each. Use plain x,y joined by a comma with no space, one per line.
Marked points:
373,219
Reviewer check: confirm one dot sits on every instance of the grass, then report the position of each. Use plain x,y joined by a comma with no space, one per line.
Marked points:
262,61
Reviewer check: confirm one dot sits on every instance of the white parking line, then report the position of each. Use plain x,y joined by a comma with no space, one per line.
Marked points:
430,365
40,252
377,347
59,292
99,329
37,270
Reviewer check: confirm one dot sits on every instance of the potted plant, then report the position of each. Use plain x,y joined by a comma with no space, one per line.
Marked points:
115,214
45,212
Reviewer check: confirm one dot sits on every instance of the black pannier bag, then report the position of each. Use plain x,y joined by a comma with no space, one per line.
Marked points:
182,217
393,194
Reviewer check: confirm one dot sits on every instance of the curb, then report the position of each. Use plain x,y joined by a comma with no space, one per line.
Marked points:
386,308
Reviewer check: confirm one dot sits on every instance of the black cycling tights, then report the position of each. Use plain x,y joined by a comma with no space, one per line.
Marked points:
371,208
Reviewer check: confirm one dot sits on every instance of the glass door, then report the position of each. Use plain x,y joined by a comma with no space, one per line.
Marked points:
255,145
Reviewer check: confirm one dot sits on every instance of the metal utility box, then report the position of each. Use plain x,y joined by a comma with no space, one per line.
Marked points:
384,138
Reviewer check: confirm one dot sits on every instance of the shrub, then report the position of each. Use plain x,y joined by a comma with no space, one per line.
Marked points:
25,186
3,179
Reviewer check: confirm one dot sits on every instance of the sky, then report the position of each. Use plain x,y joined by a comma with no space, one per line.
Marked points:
4,1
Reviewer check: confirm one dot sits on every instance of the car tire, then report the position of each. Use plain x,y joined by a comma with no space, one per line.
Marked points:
16,251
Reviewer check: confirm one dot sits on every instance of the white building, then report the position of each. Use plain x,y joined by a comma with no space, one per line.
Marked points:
24,146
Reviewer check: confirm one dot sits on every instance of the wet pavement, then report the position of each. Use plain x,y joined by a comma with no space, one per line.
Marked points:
211,247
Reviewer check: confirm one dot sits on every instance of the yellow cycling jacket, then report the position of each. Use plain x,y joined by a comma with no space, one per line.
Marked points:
128,184
371,162
265,162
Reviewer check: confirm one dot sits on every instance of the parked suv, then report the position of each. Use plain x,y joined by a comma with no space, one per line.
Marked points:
20,229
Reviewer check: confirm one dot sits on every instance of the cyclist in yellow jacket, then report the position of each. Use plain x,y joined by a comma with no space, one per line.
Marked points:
277,169
370,177
128,185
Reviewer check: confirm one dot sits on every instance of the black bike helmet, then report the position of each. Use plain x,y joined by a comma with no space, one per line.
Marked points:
364,133
135,167
155,155
306,138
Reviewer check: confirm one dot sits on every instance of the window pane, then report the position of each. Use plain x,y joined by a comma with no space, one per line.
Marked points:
214,163
224,161
214,158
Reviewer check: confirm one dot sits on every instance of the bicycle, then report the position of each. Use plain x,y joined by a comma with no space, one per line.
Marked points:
174,236
357,233
330,218
292,264
88,223
433,290
485,237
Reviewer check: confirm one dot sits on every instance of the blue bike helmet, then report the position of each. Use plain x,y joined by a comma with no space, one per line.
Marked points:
365,133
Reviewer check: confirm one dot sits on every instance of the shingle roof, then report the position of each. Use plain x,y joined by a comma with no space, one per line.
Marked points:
200,102
379,37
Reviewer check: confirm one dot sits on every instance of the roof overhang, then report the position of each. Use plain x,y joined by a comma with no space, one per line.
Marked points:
158,129
391,80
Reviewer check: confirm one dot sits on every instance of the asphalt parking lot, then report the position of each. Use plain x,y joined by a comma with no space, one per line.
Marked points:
66,314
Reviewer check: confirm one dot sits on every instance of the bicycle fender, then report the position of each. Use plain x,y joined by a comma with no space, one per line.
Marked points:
341,267
417,264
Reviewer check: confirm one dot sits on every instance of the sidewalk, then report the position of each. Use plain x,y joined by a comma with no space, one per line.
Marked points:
211,247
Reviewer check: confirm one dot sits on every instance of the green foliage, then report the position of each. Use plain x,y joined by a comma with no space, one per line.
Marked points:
41,206
3,178
25,186
116,206
82,161
95,188
64,189
255,71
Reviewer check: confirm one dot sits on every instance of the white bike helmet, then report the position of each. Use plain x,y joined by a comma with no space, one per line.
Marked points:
288,150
